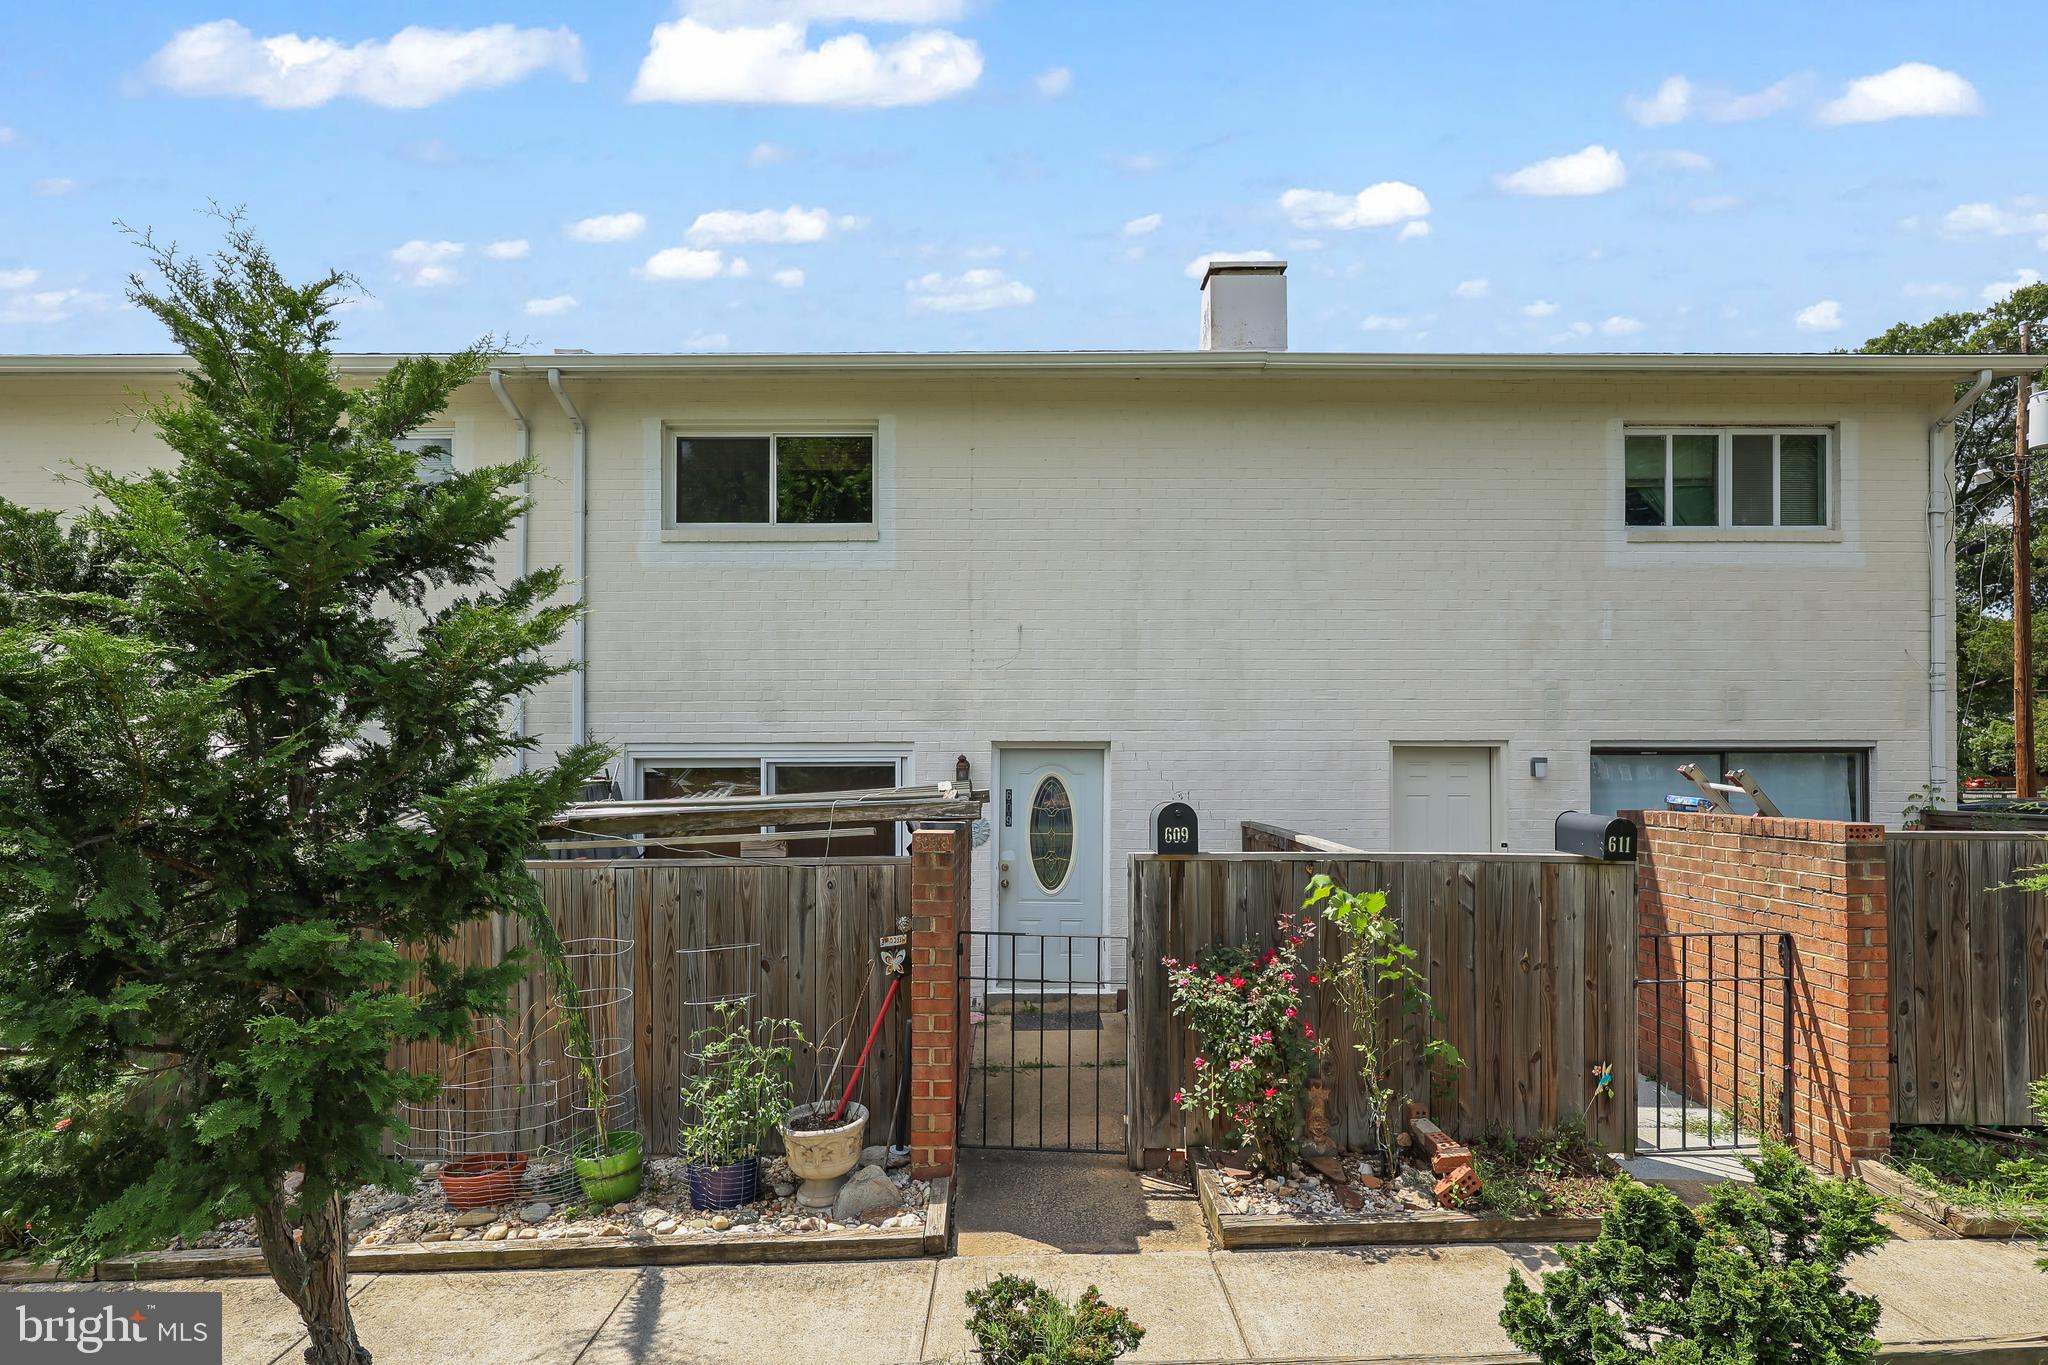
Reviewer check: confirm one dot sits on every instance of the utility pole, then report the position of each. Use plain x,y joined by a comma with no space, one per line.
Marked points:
2022,595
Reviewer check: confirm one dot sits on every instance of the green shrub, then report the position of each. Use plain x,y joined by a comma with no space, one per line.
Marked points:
1755,1275
1016,1322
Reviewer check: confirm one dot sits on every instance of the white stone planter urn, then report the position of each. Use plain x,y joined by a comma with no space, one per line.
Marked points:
822,1159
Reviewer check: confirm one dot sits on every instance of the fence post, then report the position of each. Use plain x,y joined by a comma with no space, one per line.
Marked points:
939,882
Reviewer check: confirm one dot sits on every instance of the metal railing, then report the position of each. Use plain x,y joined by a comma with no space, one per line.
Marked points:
1046,1043
1720,1067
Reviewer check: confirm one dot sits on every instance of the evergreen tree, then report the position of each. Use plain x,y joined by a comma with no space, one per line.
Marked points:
1754,1278
252,773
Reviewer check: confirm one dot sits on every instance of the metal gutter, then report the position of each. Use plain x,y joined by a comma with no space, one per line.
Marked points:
1941,586
579,504
1114,362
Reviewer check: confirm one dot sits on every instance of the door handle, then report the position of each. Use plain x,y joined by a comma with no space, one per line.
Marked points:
1006,882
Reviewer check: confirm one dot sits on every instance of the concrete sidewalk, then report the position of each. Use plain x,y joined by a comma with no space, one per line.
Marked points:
1359,1304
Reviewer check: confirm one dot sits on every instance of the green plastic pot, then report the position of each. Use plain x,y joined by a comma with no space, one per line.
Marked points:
613,1177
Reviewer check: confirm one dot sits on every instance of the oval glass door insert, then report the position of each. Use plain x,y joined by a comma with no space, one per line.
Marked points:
1052,833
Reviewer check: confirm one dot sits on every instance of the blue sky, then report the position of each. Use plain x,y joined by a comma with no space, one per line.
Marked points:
994,174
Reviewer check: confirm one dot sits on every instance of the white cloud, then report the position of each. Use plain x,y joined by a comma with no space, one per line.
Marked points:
984,253
18,279
1591,170
768,154
1825,316
1381,205
1143,226
974,291
1382,322
1412,232
54,187
707,341
414,68
1620,327
689,263
790,278
1911,90
1670,104
692,62
426,265
1677,99
8,136
511,250
1199,266
1541,308
49,305
607,227
1715,203
793,225
1998,289
1473,289
1991,220
1678,159
552,307
1054,81
1138,163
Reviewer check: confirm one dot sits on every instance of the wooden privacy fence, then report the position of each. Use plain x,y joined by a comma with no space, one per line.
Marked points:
1531,959
1969,976
794,938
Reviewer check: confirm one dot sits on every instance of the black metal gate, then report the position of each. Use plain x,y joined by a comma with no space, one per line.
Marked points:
1715,1050
1045,1041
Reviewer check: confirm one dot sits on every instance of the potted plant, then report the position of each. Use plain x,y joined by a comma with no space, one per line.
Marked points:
610,1163
822,1150
740,1088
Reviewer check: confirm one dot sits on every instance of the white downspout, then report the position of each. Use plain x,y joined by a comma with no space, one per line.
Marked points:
519,535
579,502
1941,587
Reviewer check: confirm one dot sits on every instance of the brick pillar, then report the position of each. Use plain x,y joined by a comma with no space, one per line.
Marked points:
1826,884
939,908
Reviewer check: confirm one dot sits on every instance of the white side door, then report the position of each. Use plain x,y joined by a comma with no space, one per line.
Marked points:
1442,799
1049,825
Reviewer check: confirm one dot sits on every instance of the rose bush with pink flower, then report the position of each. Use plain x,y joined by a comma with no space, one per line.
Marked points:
1256,1048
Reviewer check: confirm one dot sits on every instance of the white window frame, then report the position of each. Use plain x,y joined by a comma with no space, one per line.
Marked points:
1829,528
640,758
770,530
445,435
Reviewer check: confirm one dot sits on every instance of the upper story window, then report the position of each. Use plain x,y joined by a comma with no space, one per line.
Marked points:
433,454
1733,479
778,479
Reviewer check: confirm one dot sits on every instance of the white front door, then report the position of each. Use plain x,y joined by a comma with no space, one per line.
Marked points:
1049,862
1442,799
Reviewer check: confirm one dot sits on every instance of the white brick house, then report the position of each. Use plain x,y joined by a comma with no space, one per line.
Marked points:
1399,600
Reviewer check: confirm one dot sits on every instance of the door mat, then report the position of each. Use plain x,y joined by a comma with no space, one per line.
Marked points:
1056,1021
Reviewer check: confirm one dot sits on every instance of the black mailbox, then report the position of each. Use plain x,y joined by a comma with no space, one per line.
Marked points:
1175,828
1604,837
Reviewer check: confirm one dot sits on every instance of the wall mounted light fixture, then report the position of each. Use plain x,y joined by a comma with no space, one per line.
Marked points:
1539,767
961,771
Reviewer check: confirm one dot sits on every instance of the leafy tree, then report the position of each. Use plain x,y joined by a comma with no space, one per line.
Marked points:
1983,523
251,775
1756,1275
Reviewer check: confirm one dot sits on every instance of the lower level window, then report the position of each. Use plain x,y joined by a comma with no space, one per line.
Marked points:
664,779
1807,784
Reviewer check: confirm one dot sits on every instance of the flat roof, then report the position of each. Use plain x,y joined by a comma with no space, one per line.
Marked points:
1141,362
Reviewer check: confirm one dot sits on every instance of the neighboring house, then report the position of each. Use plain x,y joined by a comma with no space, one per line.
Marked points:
1406,601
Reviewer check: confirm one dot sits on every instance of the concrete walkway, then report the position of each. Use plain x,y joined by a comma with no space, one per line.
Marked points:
1436,1304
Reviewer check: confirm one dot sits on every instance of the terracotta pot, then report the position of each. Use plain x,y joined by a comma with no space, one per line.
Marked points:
822,1158
471,1182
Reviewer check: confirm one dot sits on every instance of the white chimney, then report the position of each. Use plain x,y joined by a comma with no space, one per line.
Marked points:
1244,306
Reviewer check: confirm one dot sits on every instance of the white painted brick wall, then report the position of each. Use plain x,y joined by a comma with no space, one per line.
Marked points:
1249,587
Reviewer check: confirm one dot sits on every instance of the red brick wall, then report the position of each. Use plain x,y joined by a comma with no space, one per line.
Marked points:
1824,883
939,888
